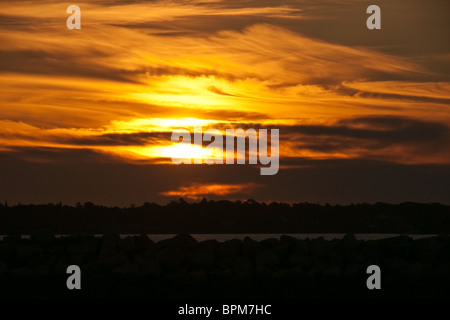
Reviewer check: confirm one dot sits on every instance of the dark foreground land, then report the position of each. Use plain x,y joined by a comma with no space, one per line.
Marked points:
182,268
226,217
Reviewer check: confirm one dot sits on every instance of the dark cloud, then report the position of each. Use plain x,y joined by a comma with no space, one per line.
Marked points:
117,139
390,96
203,25
390,129
63,63
372,135
368,133
218,91
384,128
167,70
51,155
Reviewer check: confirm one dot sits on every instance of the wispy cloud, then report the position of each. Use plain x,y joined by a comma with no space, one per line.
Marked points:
197,190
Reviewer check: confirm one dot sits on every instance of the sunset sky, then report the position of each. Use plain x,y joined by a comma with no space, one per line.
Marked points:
87,115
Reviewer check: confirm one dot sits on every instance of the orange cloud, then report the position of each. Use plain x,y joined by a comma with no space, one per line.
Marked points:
135,69
197,191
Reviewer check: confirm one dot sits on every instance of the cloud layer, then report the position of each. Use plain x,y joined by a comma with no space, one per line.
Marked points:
114,91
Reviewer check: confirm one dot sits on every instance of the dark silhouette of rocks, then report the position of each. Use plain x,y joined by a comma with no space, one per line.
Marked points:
181,267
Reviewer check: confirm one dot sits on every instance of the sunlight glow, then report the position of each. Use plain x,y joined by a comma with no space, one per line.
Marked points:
158,124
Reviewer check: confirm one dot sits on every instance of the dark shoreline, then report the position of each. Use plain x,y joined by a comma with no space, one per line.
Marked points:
215,217
183,268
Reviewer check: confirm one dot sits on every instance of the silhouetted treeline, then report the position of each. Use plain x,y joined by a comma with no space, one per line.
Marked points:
226,217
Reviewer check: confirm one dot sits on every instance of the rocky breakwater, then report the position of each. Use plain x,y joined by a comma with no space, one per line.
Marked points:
181,267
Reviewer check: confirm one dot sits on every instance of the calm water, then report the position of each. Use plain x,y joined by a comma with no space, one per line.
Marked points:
259,237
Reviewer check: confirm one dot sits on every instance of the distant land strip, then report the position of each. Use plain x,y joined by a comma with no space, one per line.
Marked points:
227,217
